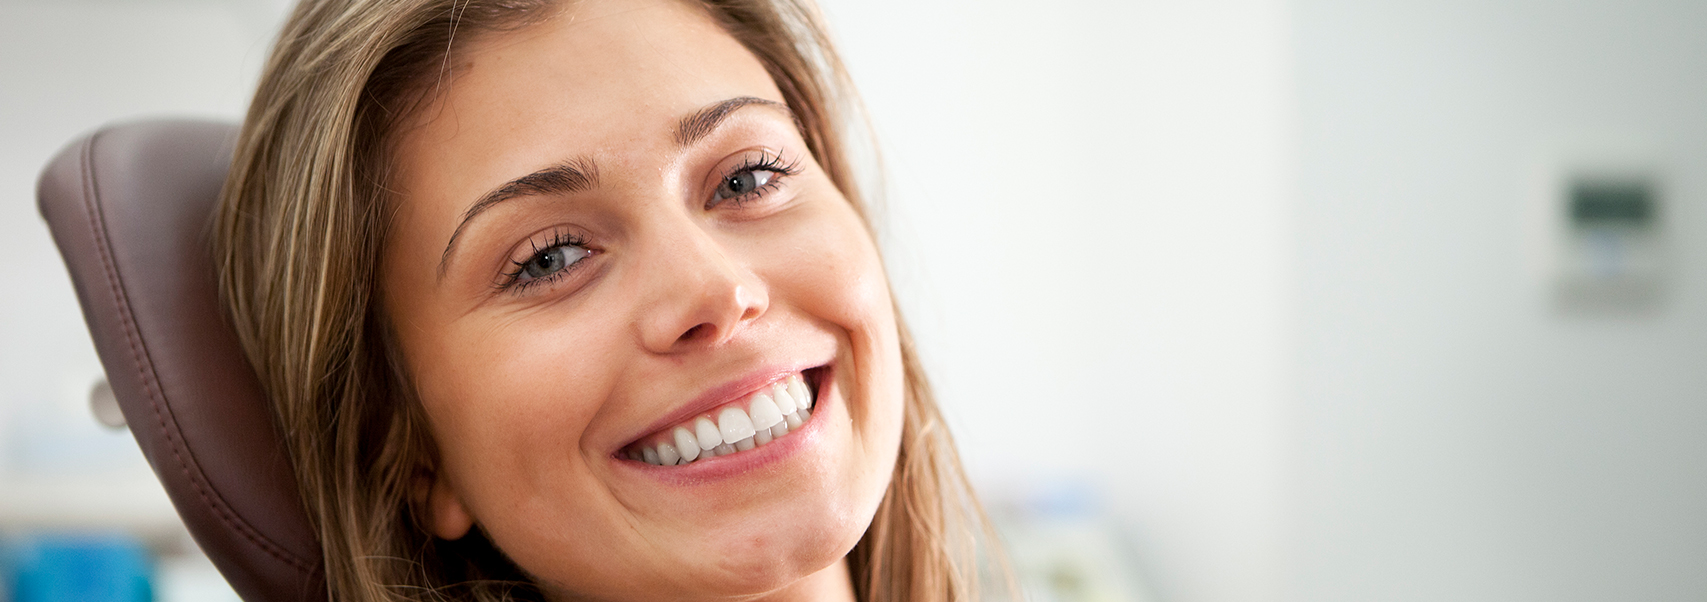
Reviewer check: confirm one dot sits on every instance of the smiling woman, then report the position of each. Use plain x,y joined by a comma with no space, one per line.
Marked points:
577,301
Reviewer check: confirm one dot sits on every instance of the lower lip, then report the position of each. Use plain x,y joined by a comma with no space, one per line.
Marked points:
724,467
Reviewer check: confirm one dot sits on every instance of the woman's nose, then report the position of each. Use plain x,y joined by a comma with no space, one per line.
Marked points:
701,294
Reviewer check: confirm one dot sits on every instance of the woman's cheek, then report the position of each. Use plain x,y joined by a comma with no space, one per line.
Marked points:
853,293
840,273
507,390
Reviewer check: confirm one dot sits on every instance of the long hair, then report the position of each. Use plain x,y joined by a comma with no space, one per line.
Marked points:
300,227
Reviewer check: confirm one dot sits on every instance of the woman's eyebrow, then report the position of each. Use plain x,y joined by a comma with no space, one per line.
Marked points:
704,121
563,178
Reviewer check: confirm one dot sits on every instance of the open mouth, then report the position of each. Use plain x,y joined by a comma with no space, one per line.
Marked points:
763,416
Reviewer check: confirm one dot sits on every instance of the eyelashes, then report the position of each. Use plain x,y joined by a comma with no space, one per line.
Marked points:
753,178
552,257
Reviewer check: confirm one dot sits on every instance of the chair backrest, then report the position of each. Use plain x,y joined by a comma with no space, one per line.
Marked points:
130,207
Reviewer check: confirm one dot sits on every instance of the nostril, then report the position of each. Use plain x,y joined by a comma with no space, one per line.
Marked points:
695,333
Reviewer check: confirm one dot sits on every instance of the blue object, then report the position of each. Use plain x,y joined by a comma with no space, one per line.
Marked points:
82,568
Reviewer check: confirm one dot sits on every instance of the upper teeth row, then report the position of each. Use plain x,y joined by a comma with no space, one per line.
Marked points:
754,421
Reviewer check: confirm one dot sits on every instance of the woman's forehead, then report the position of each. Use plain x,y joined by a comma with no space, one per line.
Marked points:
599,73
605,78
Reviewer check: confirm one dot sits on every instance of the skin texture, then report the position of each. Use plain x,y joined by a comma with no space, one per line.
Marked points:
531,391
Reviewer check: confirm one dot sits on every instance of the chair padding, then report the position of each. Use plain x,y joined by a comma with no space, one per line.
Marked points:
131,209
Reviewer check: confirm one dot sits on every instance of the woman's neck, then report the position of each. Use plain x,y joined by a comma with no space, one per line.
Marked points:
832,584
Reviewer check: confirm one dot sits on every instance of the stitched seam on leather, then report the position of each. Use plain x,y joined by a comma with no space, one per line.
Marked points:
144,370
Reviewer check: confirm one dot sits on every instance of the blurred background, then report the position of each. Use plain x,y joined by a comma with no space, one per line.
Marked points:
1227,300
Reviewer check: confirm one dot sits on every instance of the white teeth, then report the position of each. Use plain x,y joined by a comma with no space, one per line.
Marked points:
797,389
764,412
784,401
734,424
688,444
768,415
706,432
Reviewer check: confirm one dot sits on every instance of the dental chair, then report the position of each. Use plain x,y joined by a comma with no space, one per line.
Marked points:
131,208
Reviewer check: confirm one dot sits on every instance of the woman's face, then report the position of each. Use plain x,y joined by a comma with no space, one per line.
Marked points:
610,235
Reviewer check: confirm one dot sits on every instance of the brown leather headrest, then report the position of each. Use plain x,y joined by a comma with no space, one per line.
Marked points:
130,207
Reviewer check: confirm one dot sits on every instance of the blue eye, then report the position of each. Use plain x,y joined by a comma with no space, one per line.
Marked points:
757,176
553,260
743,183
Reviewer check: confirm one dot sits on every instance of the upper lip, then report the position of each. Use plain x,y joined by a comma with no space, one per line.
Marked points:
726,392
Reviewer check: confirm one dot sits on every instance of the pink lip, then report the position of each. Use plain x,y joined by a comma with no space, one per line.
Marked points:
719,395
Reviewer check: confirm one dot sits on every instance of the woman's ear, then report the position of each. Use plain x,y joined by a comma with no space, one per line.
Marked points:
447,518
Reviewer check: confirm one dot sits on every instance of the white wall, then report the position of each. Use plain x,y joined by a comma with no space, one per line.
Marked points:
67,67
1457,437
1090,238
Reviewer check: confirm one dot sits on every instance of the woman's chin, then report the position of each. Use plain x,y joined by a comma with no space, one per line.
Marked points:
749,523
769,558
750,554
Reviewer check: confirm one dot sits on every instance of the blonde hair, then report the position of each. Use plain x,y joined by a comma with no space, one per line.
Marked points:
301,223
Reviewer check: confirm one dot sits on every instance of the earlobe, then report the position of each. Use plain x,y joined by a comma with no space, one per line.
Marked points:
446,516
